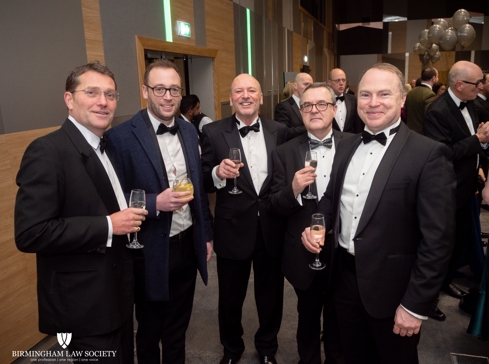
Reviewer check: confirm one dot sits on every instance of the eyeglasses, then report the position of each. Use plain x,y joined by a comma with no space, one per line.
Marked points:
93,92
320,106
160,91
474,83
338,80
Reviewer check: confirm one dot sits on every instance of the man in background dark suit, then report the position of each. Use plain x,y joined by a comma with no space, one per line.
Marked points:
71,211
287,112
451,119
246,233
420,98
391,204
346,118
290,180
481,102
153,150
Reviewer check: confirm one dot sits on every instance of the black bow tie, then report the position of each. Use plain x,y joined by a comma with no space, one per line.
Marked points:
341,98
102,145
328,143
246,129
162,129
462,105
380,137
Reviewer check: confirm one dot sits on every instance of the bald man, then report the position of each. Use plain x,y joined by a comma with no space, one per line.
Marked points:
346,118
246,233
451,119
287,112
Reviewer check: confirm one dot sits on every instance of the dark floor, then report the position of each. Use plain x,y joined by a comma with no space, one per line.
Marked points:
438,339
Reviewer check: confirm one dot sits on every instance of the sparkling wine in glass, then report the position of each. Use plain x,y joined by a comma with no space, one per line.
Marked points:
311,161
184,185
235,156
318,232
137,200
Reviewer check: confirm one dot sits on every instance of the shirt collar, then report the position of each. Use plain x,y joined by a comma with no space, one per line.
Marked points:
90,137
455,99
326,137
427,85
156,123
297,101
241,124
482,97
386,130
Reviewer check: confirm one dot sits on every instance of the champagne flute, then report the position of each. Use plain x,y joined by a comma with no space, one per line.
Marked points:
318,231
137,200
312,161
235,156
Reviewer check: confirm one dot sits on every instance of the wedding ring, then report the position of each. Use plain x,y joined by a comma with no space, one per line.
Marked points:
409,332
137,229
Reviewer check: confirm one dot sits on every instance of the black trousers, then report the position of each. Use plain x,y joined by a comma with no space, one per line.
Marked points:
311,303
121,341
365,339
167,322
233,278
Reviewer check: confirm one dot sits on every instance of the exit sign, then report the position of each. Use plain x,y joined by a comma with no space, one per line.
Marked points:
183,29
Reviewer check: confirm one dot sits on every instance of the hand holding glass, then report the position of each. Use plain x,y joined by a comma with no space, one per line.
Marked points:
318,231
137,200
184,185
235,156
311,161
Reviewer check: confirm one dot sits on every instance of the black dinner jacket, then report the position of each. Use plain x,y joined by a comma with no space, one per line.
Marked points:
288,158
236,216
405,235
445,123
353,123
61,212
482,109
287,112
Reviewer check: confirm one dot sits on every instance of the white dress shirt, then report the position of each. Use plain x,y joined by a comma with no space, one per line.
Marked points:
176,168
340,116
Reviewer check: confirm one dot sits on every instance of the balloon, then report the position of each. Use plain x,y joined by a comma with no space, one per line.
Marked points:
416,49
424,58
433,50
422,50
466,35
460,18
434,33
450,23
441,22
436,57
423,39
448,39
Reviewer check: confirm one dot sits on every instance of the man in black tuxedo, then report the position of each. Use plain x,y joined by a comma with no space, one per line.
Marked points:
290,180
245,233
71,211
287,112
152,151
420,98
451,119
346,118
390,204
481,102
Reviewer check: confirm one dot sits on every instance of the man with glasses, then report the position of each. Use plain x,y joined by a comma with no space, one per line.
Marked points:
346,118
153,151
481,101
451,119
290,180
71,211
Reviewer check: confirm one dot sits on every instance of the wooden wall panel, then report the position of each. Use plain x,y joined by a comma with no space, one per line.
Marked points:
219,23
183,11
18,297
299,49
93,31
398,43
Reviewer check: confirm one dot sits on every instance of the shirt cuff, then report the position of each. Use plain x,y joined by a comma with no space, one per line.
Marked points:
415,314
484,145
111,230
218,183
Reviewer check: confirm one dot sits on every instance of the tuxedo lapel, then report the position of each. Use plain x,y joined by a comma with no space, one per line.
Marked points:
146,136
349,113
457,114
303,148
381,176
94,167
294,106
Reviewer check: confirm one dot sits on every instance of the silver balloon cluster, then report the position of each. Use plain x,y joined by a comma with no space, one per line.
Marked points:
444,35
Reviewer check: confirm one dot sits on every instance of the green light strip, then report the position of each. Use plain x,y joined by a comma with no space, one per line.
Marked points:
168,25
248,39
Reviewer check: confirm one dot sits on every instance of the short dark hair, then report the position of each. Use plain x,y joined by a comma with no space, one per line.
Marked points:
437,86
428,73
159,63
188,103
73,79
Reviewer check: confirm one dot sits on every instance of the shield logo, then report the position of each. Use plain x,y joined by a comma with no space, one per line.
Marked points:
64,339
